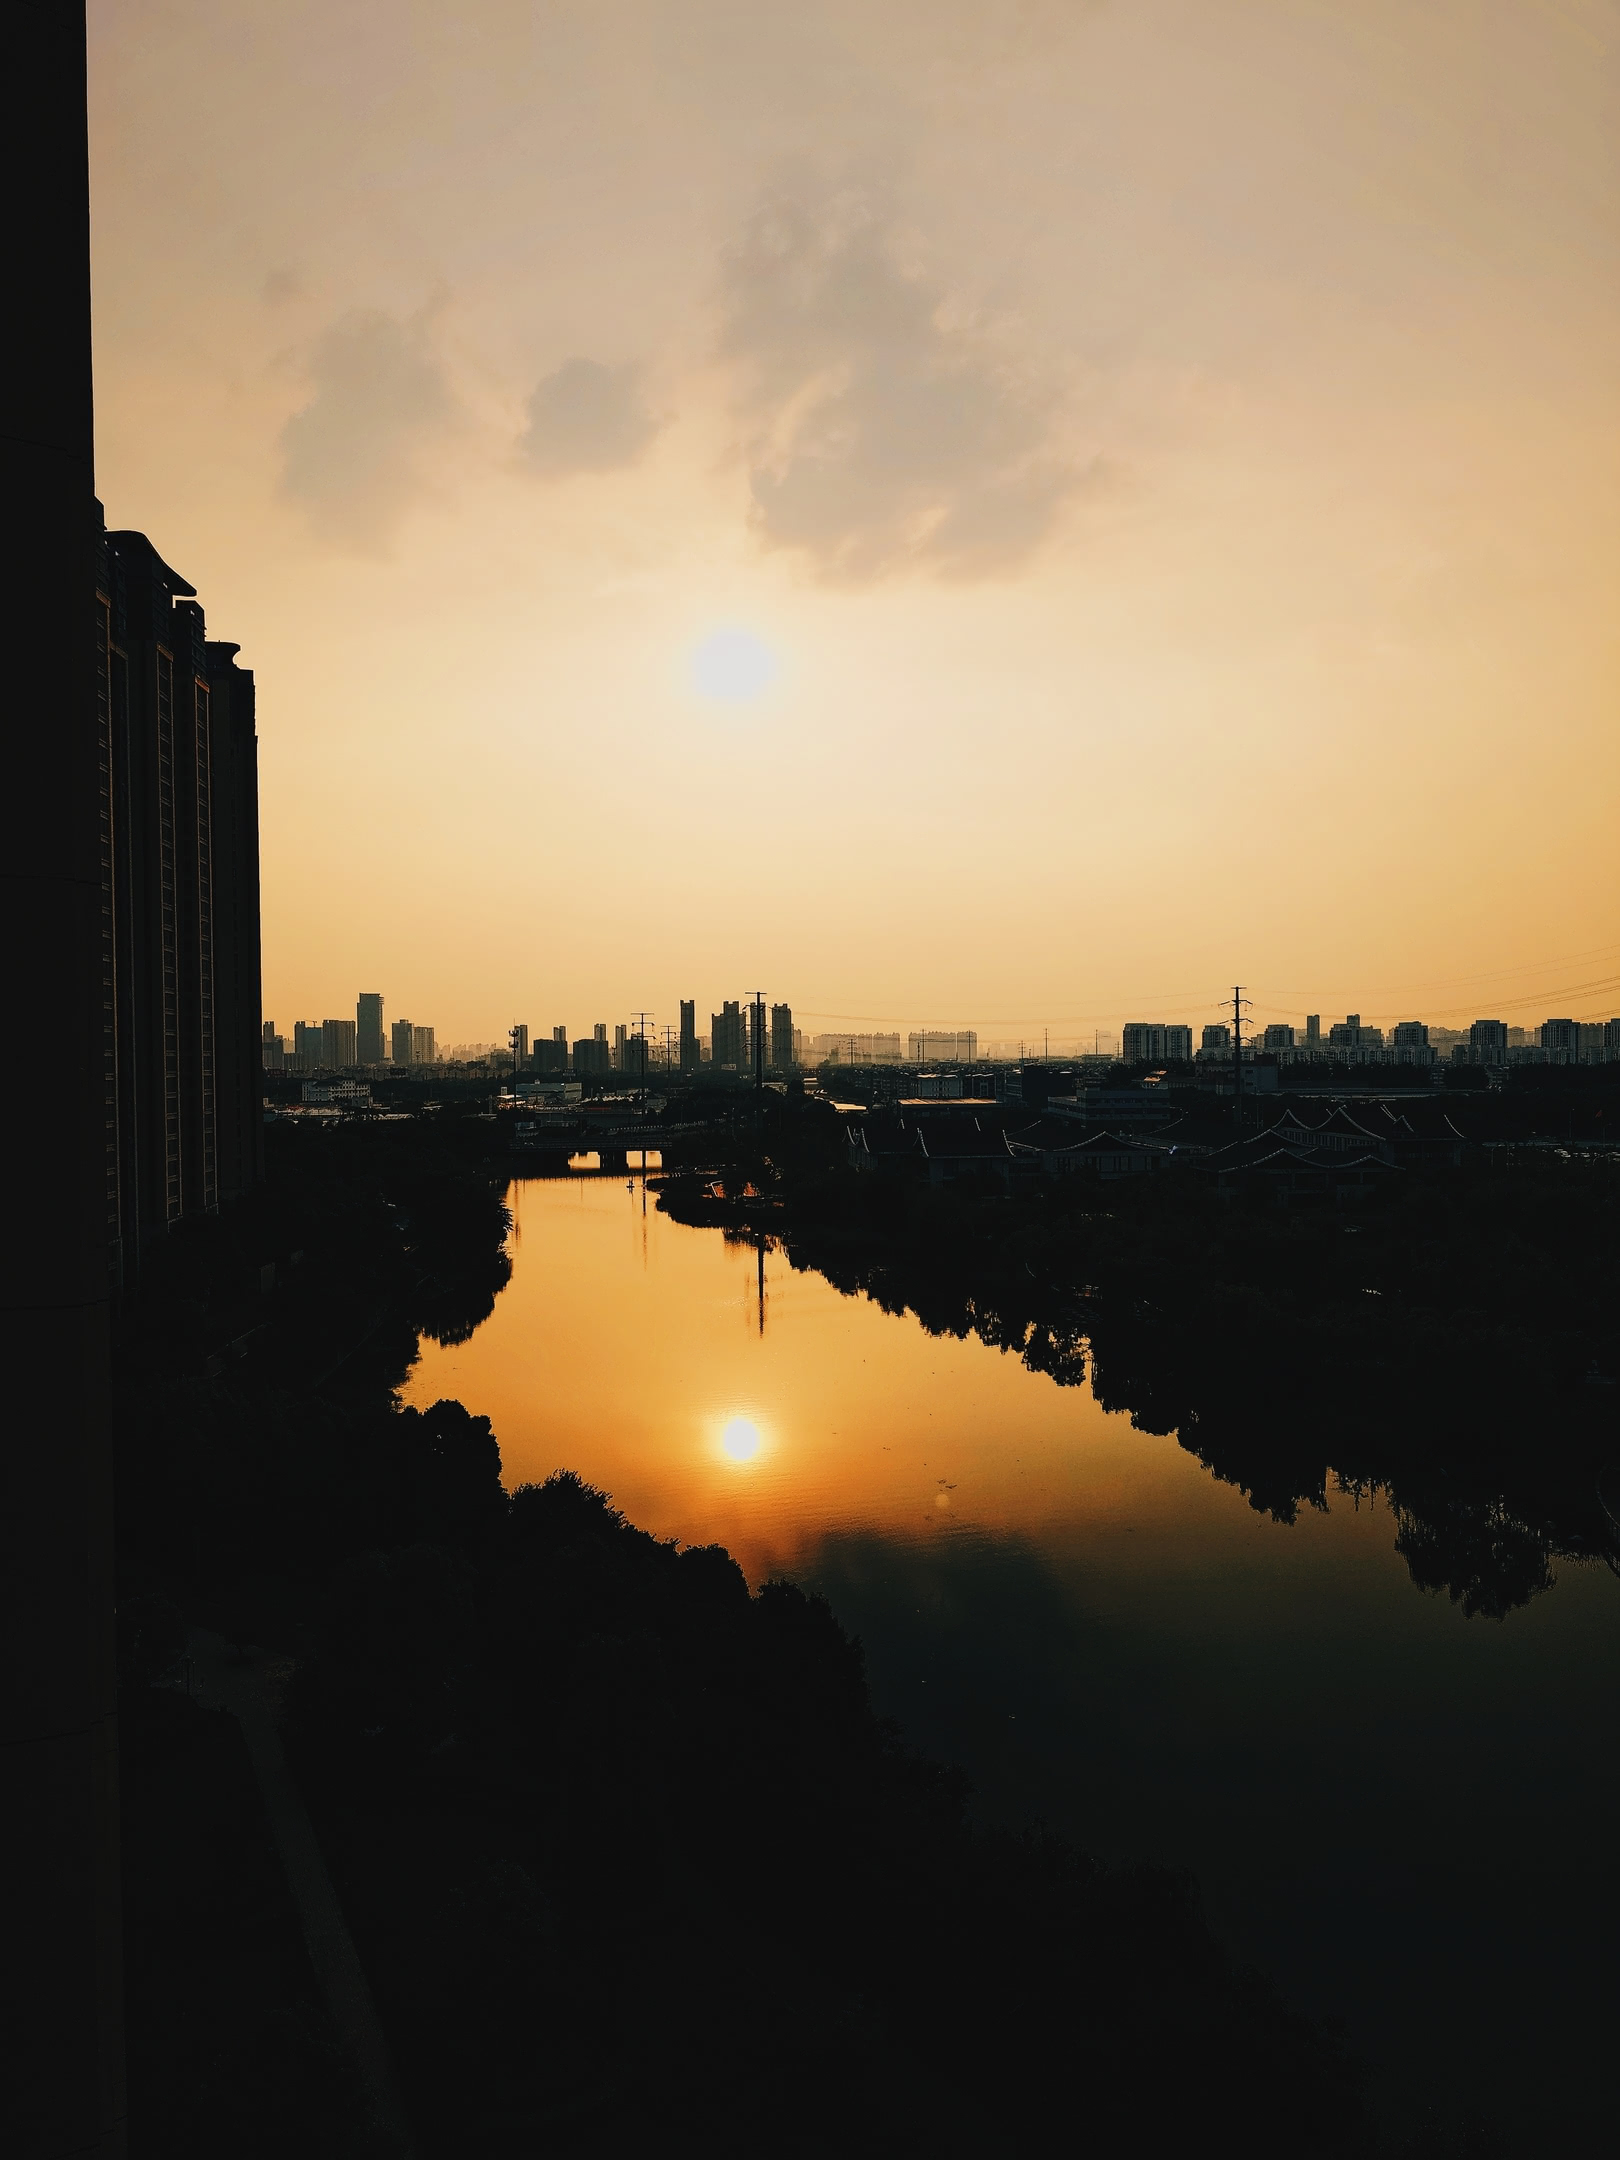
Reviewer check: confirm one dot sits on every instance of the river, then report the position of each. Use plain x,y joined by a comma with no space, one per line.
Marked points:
1403,1816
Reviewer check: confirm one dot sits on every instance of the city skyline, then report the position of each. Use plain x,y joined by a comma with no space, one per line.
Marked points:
643,1044
1044,472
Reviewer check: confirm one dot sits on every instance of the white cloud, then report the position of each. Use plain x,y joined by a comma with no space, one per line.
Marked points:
884,433
585,417
352,456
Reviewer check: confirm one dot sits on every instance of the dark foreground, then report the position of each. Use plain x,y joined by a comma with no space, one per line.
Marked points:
628,1860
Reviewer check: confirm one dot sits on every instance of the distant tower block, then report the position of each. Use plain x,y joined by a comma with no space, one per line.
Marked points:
368,1028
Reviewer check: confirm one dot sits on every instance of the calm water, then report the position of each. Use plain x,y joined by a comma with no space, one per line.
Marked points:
1407,1818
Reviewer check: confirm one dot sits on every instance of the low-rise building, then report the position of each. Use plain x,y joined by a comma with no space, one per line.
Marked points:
1103,1155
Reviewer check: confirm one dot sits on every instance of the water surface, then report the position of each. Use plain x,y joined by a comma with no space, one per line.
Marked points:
1404,1816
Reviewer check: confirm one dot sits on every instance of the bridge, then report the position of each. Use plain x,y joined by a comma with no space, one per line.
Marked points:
555,1140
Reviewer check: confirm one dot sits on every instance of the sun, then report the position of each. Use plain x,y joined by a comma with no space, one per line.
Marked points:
733,665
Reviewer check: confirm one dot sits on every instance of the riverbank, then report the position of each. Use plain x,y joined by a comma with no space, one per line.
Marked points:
626,1855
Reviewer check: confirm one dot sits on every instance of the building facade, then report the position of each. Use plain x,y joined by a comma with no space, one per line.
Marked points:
1151,1042
551,1052
1561,1039
182,1038
691,1050
1349,1034
728,1038
942,1046
782,1056
855,1049
339,1042
368,1028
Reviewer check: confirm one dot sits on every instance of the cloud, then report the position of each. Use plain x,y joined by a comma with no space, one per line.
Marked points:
352,456
884,433
585,418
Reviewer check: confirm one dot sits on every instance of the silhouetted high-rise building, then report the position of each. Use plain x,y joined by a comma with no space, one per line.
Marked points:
182,844
64,2085
399,1042
948,1046
238,994
1561,1039
424,1051
782,1037
1350,1035
519,1041
1151,1042
1488,1042
368,1028
691,1053
338,1037
727,1038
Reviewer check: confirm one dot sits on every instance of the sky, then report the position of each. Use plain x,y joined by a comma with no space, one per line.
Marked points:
1017,514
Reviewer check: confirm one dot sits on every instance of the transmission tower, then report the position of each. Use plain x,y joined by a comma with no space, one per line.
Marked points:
756,999
1240,1005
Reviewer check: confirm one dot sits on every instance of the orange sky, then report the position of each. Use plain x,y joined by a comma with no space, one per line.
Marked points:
1165,451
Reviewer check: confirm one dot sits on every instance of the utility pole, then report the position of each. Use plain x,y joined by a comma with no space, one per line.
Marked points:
640,1036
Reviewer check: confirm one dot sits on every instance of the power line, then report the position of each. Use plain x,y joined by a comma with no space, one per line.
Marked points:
1530,997
1446,982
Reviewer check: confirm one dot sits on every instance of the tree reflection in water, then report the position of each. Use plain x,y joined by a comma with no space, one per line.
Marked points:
1254,1340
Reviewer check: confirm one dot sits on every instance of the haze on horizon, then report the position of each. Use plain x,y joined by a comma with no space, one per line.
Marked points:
988,514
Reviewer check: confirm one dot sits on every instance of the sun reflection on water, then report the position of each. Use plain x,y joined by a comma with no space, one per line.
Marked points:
740,1439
